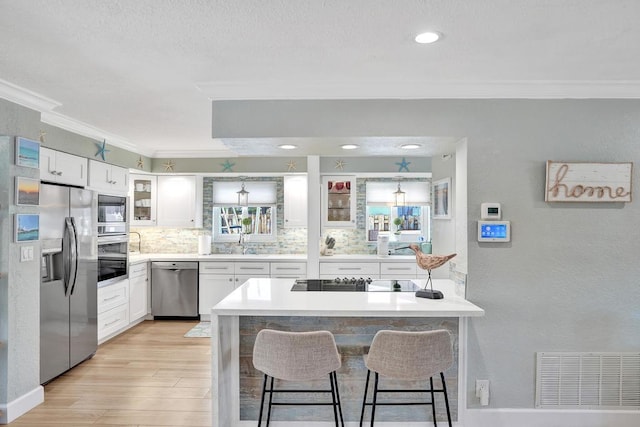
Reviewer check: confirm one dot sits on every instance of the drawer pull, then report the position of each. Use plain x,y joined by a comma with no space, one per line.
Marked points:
112,323
349,268
287,268
399,268
110,298
251,268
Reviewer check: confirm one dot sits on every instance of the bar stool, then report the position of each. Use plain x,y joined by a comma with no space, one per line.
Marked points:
297,356
403,355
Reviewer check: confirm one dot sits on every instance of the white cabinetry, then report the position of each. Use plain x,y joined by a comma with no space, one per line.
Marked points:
297,270
138,291
113,309
339,201
295,201
109,178
166,200
218,279
143,194
332,270
63,168
398,270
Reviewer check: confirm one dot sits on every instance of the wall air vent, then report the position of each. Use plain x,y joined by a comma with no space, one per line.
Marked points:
588,380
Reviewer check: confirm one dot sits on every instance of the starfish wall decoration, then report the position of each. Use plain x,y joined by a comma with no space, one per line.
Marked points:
291,166
227,166
140,163
403,165
168,166
42,135
340,164
102,150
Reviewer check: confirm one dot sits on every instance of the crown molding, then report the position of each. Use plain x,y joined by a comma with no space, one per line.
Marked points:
81,128
26,98
192,154
503,89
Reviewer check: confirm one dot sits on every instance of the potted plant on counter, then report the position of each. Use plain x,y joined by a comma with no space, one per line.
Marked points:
397,222
246,223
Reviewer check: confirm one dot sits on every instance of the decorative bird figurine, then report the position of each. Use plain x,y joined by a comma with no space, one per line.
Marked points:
428,262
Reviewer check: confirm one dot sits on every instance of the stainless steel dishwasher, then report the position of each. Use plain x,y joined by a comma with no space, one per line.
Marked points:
174,289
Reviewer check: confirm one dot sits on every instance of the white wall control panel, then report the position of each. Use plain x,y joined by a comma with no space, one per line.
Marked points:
494,231
491,211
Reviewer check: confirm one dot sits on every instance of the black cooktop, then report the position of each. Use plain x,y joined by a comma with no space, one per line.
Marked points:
360,285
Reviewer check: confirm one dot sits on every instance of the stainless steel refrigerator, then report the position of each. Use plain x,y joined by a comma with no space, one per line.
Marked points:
68,284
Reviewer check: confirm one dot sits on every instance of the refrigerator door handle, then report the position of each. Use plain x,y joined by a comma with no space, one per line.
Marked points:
71,264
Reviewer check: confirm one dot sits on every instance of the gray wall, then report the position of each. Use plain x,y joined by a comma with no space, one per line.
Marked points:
568,279
19,282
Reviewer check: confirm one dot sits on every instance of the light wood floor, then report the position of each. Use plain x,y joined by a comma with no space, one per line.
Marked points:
148,376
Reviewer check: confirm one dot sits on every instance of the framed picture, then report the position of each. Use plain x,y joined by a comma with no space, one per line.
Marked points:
27,227
441,199
27,152
27,191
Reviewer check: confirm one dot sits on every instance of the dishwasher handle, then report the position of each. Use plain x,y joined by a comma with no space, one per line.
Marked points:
174,265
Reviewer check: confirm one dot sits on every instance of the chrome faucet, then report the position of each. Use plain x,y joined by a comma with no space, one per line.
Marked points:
139,239
242,243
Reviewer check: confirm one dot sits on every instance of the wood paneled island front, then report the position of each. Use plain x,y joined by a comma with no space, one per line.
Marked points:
353,318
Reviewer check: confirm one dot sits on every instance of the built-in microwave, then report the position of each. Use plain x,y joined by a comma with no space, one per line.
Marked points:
113,259
112,215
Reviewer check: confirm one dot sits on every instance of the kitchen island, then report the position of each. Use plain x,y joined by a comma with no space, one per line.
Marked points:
353,317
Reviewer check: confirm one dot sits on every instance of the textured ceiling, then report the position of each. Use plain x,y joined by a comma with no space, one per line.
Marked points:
145,71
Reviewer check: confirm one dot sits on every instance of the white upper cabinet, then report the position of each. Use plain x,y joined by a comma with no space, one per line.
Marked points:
108,178
295,201
63,168
143,195
179,201
339,201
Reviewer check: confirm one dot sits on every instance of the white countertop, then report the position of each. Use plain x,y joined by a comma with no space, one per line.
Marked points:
273,297
135,258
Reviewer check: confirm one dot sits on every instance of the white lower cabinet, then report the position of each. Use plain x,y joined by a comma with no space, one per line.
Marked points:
113,309
296,270
398,270
219,278
138,291
332,270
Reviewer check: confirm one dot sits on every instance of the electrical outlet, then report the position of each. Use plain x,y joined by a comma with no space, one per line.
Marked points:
482,391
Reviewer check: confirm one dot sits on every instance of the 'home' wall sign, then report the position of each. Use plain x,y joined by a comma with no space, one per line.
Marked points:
588,182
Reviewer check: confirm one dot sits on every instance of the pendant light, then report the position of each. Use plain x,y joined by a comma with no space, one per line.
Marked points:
243,196
398,197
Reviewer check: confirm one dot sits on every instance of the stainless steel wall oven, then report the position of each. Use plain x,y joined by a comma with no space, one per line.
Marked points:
113,259
112,215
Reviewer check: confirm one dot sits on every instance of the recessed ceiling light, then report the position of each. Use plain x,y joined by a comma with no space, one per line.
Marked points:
288,146
349,146
410,146
428,37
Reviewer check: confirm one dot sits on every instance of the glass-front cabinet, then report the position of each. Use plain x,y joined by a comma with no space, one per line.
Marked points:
143,191
339,201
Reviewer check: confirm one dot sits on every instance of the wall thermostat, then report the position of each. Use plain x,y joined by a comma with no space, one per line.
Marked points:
491,211
494,231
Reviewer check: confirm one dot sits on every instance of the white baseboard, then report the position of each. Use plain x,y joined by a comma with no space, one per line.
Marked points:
21,405
550,418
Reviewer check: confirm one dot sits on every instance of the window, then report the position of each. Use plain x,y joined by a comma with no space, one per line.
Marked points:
413,218
256,222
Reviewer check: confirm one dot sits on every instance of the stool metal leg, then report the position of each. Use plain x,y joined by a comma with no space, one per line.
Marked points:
375,396
333,399
335,380
270,400
364,399
264,388
433,402
446,397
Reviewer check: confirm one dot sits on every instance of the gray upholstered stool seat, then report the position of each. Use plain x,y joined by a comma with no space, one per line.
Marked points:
405,355
297,356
